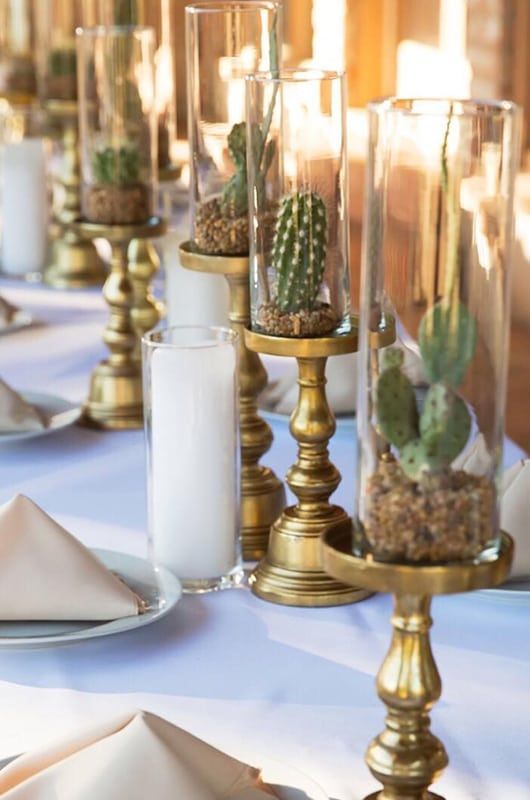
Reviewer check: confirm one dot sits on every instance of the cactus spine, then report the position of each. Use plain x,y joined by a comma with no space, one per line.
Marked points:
299,250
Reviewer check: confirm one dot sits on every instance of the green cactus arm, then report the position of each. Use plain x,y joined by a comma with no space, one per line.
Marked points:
237,145
445,424
447,338
116,165
415,460
397,412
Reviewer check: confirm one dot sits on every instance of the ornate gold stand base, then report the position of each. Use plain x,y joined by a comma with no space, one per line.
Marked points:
291,573
115,397
74,260
74,264
406,757
262,494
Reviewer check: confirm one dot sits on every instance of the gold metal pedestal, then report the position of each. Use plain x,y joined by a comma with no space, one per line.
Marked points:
74,261
406,758
115,396
143,264
262,494
291,573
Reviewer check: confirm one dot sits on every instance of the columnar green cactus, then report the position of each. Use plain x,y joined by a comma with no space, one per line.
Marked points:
299,250
427,442
234,200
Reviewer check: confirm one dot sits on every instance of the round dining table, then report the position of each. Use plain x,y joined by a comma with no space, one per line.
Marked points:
262,682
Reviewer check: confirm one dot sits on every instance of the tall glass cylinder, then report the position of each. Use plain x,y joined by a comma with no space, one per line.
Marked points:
191,418
18,77
298,203
225,41
161,15
57,63
117,124
434,327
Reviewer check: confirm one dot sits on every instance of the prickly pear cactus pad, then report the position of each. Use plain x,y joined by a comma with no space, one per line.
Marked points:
418,507
297,264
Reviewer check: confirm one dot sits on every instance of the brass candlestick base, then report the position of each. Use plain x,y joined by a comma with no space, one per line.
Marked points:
406,758
74,261
143,265
115,396
291,573
262,494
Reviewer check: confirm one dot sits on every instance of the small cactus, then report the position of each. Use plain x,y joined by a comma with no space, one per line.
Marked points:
299,250
117,165
427,442
447,339
234,200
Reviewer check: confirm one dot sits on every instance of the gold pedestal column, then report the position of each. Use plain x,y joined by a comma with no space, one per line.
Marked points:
291,573
144,263
262,494
406,758
74,261
115,396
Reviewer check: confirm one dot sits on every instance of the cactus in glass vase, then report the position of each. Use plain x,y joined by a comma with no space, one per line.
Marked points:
118,165
117,194
299,250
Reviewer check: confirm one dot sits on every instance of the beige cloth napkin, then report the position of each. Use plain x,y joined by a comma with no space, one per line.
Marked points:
135,757
7,312
47,574
15,414
515,514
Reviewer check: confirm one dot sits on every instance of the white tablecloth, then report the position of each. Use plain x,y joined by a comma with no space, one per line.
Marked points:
259,680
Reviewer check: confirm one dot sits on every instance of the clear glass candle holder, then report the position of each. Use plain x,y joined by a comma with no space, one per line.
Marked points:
191,425
434,327
18,74
298,203
161,15
225,41
25,194
117,124
56,23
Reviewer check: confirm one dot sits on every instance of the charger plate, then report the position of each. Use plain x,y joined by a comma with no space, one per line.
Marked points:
159,589
58,412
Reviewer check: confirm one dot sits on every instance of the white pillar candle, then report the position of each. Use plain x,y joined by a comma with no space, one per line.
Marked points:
193,481
192,298
24,207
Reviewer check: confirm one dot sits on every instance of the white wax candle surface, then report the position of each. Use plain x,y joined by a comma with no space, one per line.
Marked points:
24,207
192,298
194,493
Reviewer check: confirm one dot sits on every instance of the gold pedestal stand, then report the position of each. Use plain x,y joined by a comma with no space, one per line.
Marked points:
262,494
74,261
291,573
115,396
144,263
406,758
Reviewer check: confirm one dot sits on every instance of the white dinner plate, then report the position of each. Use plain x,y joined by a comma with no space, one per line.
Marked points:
290,783
159,589
58,413
20,319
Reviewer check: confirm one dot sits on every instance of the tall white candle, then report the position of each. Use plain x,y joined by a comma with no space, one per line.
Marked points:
192,298
193,489
24,207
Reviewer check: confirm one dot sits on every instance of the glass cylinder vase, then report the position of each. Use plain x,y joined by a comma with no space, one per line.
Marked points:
434,327
298,203
191,425
117,124
161,15
225,41
57,22
18,76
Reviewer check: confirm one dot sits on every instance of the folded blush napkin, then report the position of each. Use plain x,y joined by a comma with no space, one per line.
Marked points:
7,312
515,514
135,757
47,574
15,414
